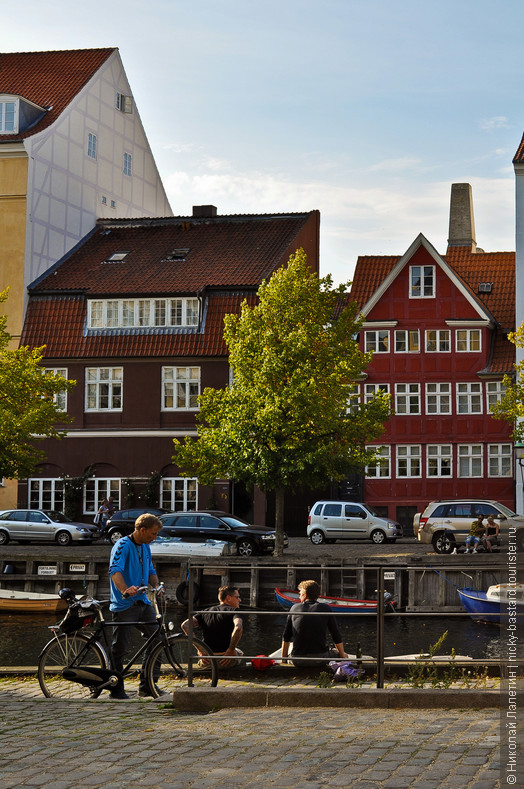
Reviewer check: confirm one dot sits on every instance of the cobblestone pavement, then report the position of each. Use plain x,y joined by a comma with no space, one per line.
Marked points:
74,745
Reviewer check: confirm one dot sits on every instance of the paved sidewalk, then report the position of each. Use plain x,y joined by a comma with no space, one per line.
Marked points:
73,745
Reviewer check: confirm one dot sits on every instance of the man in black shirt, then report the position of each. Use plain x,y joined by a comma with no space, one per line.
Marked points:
221,628
308,634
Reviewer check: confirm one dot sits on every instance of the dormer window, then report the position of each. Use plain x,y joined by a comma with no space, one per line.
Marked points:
17,114
8,116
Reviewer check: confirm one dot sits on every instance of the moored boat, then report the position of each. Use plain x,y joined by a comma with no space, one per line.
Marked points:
500,599
30,602
288,597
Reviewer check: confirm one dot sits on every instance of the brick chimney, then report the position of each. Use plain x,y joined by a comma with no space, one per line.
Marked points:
202,211
461,220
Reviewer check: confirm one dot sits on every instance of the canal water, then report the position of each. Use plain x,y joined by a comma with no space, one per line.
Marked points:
23,636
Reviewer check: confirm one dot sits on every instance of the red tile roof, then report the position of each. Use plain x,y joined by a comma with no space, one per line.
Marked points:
48,79
519,156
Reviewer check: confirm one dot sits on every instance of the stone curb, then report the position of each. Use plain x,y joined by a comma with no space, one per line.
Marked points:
205,699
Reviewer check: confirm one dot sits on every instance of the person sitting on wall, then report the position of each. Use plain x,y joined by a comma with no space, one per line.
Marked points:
221,626
491,536
475,533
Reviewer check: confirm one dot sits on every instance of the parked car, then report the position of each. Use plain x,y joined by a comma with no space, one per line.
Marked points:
122,522
44,525
215,525
329,521
446,524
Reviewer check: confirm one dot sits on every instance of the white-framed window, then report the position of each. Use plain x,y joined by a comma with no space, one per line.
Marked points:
180,388
408,460
421,282
407,341
469,398
382,465
60,398
500,460
495,391
439,460
141,313
128,163
96,490
9,116
124,103
467,340
370,390
104,388
46,494
178,493
470,460
377,340
407,398
438,341
353,399
438,398
91,145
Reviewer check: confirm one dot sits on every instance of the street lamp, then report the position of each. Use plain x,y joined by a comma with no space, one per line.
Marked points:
519,456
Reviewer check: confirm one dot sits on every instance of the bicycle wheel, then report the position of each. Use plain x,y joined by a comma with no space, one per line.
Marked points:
62,652
173,658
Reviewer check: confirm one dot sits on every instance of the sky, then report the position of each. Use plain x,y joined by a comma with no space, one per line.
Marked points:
367,110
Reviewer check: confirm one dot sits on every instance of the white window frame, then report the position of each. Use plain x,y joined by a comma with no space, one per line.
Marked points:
500,460
410,457
439,461
370,390
96,489
422,282
179,493
442,339
495,391
465,338
92,142
469,397
142,313
103,383
381,468
438,398
15,111
128,163
377,340
353,398
180,385
407,399
59,398
470,461
46,493
409,339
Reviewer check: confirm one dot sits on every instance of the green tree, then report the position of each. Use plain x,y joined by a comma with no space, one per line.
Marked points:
511,405
28,411
285,422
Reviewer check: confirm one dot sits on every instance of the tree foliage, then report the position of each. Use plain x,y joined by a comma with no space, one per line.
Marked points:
511,405
285,423
28,411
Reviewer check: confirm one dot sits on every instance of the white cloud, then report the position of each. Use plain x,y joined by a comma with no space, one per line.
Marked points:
497,122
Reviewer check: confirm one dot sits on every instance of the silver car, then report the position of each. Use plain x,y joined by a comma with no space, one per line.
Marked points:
340,520
43,525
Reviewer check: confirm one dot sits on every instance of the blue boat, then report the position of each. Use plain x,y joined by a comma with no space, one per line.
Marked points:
498,600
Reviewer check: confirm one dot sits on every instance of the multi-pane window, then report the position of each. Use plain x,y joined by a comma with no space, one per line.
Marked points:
124,103
178,494
377,341
8,117
467,340
104,388
129,313
46,494
370,390
439,460
180,388
381,466
438,398
438,341
407,398
500,460
128,162
91,145
421,282
353,399
407,341
408,460
495,391
470,460
96,490
469,398
60,398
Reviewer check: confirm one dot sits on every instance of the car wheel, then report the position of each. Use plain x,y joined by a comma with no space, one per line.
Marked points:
317,537
245,547
64,538
443,542
115,536
378,537
4,538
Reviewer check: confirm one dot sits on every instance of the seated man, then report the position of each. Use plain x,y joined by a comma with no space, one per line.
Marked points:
221,628
308,634
475,533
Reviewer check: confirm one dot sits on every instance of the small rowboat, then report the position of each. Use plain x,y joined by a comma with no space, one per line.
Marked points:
287,597
500,599
30,602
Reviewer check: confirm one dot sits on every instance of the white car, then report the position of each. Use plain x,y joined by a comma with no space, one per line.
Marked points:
44,526
329,521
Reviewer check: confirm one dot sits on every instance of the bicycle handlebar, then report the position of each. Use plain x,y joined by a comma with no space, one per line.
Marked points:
145,588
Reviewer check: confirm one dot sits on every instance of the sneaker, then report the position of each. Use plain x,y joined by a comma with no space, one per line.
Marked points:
475,550
118,694
145,693
454,551
467,550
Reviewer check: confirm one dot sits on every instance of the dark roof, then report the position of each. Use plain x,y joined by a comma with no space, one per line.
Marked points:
519,156
48,79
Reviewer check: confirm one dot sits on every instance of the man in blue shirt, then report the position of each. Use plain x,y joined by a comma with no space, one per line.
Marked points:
130,567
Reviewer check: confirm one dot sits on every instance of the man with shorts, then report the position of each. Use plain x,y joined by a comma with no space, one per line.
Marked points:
221,627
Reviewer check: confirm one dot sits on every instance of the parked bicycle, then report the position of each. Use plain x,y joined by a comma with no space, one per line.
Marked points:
75,663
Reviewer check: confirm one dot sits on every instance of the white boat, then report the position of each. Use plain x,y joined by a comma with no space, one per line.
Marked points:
175,546
30,602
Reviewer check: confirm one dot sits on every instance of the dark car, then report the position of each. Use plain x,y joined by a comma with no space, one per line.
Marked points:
43,526
122,522
213,525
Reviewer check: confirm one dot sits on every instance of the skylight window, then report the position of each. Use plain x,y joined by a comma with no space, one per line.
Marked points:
485,287
116,257
177,254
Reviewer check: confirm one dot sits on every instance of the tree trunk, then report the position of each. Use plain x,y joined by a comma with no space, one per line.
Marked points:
279,522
